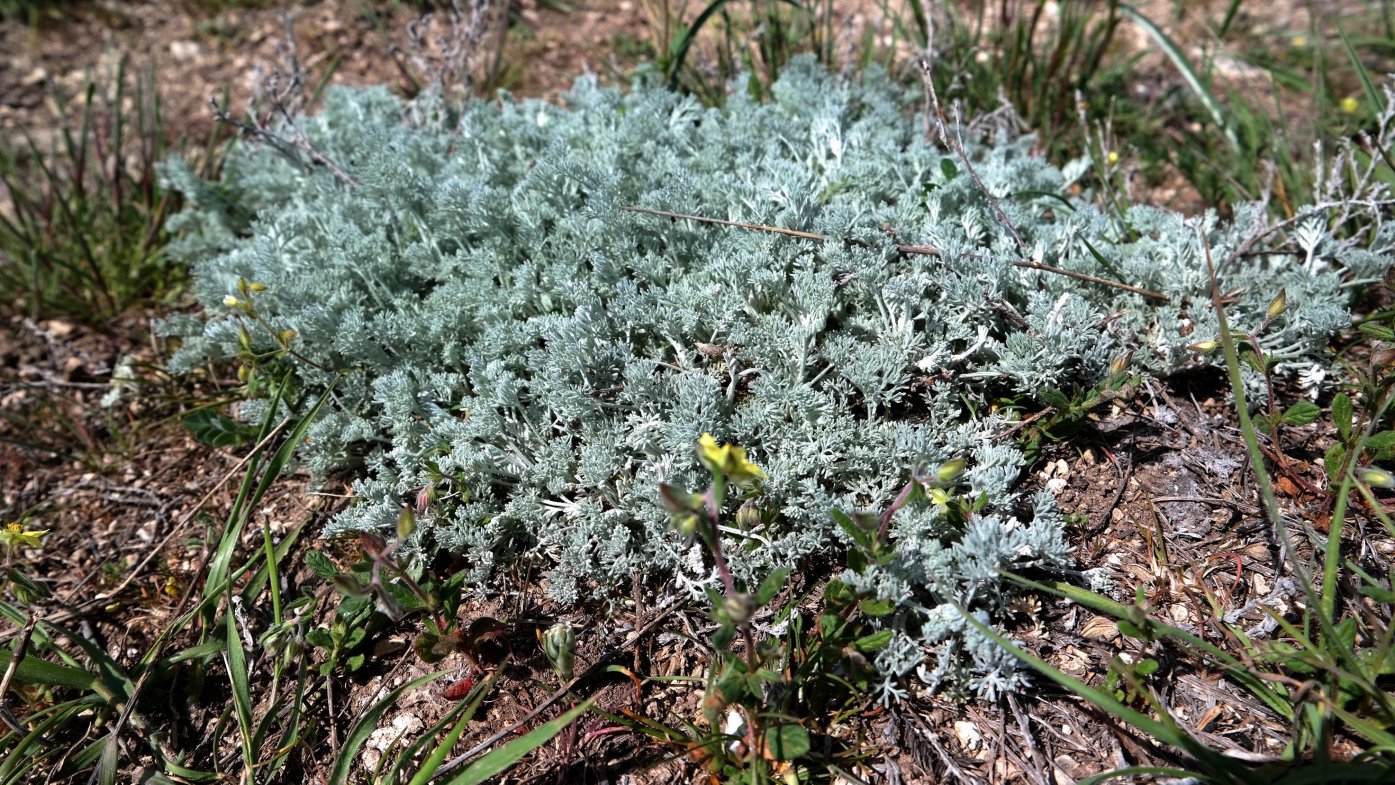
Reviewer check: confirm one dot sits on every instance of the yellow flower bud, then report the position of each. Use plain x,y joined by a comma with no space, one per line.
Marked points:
728,459
406,522
949,471
686,524
1120,363
1377,477
1277,305
231,301
14,534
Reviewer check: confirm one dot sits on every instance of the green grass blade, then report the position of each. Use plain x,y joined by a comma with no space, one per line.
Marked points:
354,740
498,760
680,50
107,765
1372,94
1188,73
33,670
1168,732
922,23
235,660
1239,671
253,489
13,762
466,711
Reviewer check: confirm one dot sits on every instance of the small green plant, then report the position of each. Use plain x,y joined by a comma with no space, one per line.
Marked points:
1068,413
763,705
1372,388
1327,674
1046,67
756,37
84,233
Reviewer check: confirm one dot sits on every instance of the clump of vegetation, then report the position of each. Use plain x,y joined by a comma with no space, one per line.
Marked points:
524,354
510,324
84,233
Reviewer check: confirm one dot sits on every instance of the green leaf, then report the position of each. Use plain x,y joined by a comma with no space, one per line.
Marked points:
874,642
1332,462
1381,444
771,586
321,564
1377,330
858,534
1055,398
1378,593
235,660
1341,416
787,742
948,168
877,608
33,670
1188,73
367,723
1301,413
1130,629
215,429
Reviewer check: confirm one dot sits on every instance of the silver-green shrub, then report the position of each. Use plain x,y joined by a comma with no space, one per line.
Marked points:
541,360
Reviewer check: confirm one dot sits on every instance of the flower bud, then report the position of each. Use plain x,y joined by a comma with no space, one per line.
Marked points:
559,644
748,516
1204,347
406,523
1377,477
949,471
738,608
348,585
678,501
231,301
686,524
1120,363
257,287
1277,305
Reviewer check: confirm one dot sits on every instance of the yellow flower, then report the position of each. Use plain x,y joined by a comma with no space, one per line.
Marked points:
1349,105
1112,158
231,301
14,534
1299,40
728,459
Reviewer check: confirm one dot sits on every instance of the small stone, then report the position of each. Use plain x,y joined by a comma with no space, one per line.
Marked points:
185,50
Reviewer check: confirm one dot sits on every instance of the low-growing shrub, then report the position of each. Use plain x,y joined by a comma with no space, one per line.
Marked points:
526,362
